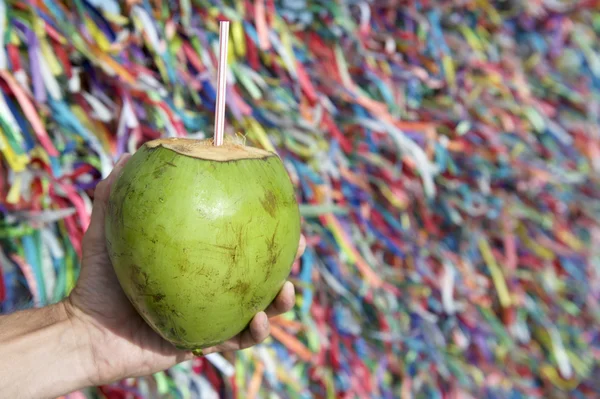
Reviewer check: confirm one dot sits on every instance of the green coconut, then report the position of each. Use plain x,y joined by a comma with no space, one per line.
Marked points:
202,237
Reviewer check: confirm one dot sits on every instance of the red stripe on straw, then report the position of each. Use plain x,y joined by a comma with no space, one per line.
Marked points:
221,83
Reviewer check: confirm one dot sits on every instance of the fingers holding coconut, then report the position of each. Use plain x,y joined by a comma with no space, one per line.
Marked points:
103,188
259,328
257,331
102,191
284,302
301,247
95,233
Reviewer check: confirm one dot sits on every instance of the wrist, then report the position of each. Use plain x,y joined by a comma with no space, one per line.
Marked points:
73,346
43,352
81,328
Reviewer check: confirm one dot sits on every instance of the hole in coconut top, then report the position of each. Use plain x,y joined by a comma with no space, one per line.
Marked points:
230,150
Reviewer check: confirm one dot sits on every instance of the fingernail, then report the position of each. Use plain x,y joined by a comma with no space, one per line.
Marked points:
289,286
265,322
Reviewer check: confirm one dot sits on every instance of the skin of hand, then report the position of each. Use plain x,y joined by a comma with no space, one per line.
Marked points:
101,334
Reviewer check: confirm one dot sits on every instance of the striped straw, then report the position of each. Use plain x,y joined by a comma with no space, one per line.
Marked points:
221,84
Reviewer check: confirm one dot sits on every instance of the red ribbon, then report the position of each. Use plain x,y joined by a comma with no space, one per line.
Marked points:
13,55
62,55
335,131
2,288
306,83
253,59
213,377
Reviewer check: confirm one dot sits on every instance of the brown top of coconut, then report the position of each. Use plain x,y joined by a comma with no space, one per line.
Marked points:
230,150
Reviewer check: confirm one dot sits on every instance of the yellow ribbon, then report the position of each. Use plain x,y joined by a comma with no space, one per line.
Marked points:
497,277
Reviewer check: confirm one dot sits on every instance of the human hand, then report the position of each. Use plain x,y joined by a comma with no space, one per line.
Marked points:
121,344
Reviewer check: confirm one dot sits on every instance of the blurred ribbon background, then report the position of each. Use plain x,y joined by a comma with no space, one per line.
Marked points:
445,153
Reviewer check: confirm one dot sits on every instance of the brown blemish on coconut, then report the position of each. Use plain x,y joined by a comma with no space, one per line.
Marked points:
201,271
229,272
154,302
159,171
273,253
240,288
139,278
164,316
156,298
254,303
226,248
269,203
230,150
183,266
240,245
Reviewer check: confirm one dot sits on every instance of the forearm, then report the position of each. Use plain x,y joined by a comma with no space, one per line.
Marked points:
42,355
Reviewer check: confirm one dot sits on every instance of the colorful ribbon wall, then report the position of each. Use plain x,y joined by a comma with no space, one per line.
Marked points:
446,155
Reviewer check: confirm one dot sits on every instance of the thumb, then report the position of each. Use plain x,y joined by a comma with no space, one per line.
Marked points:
93,239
